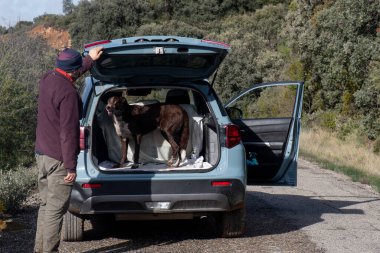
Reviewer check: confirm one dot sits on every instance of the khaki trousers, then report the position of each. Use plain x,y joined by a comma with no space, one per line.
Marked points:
55,195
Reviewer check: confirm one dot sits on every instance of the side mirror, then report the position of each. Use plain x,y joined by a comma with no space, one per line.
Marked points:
234,113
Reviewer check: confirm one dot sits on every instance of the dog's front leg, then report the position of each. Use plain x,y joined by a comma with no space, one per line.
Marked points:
124,148
137,138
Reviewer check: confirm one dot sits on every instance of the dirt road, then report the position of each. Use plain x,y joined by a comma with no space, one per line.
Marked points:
326,212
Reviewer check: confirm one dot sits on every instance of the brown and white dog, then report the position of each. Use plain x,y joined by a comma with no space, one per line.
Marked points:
135,121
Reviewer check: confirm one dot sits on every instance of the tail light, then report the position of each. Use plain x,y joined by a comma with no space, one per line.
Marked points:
91,186
221,183
82,138
97,43
232,133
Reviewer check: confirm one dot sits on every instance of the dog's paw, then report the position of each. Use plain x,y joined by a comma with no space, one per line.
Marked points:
170,163
135,166
173,163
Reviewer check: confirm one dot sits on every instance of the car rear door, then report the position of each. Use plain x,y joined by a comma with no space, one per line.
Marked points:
157,59
269,117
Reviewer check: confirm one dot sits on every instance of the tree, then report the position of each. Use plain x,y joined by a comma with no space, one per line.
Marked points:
67,6
335,40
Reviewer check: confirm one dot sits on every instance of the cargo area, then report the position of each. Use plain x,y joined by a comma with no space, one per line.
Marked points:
202,152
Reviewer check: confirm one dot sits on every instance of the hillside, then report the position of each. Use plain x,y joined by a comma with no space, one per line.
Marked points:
55,38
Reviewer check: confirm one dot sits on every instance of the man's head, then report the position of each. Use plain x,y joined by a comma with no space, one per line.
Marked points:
69,60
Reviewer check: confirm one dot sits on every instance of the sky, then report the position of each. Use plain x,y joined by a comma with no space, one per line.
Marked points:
12,11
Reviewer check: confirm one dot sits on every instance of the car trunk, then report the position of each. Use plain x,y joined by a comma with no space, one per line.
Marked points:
202,152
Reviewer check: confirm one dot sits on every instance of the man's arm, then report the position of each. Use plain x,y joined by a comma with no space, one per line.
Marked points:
88,61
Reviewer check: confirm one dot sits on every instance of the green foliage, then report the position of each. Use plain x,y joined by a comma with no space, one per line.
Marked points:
325,119
3,30
296,70
367,100
346,127
16,185
328,120
254,57
173,27
20,71
22,26
336,41
376,146
17,124
67,6
52,20
274,102
102,19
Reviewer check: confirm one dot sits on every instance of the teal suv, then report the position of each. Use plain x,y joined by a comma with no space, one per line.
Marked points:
253,138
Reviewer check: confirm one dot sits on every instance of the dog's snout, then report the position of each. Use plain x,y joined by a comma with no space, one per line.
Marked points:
109,110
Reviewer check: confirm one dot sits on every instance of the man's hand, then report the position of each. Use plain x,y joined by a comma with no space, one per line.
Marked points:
71,176
95,53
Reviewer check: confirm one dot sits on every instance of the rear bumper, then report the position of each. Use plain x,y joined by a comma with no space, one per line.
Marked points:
157,197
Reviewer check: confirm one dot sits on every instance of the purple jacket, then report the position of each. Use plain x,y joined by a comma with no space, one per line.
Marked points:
59,112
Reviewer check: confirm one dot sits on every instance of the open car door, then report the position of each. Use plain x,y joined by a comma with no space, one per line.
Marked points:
269,118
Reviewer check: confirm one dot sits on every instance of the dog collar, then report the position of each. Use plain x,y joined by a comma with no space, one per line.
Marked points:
64,73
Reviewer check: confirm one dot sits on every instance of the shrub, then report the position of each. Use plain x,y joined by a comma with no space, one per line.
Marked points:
328,120
16,185
376,146
17,124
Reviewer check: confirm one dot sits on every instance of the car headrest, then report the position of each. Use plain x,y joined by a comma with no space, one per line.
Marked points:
177,96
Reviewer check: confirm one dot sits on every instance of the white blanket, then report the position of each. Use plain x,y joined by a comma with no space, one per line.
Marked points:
188,164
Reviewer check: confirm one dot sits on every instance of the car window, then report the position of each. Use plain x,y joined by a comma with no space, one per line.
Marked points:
267,102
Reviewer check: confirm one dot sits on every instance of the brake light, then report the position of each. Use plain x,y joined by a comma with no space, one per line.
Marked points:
221,183
82,138
96,43
232,135
91,186
216,43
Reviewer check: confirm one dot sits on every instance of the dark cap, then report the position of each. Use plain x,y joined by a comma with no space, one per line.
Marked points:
69,60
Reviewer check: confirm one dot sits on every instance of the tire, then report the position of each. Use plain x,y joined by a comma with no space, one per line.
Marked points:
102,222
72,228
231,224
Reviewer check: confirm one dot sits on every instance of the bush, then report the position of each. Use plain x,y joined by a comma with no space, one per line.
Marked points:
325,119
16,186
376,146
17,124
23,60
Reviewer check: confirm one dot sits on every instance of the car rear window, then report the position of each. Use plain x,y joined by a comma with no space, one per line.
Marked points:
114,62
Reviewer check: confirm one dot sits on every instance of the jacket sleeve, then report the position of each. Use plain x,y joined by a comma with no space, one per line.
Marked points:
86,65
69,129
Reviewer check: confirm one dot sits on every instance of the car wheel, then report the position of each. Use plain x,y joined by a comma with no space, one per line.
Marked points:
72,228
102,222
231,224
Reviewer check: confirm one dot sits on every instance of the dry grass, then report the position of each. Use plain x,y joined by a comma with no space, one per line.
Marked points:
349,153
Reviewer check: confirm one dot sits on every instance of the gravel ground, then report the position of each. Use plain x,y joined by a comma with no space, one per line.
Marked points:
326,212
19,235
268,230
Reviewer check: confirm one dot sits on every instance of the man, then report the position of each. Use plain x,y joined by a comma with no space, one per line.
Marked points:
57,142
